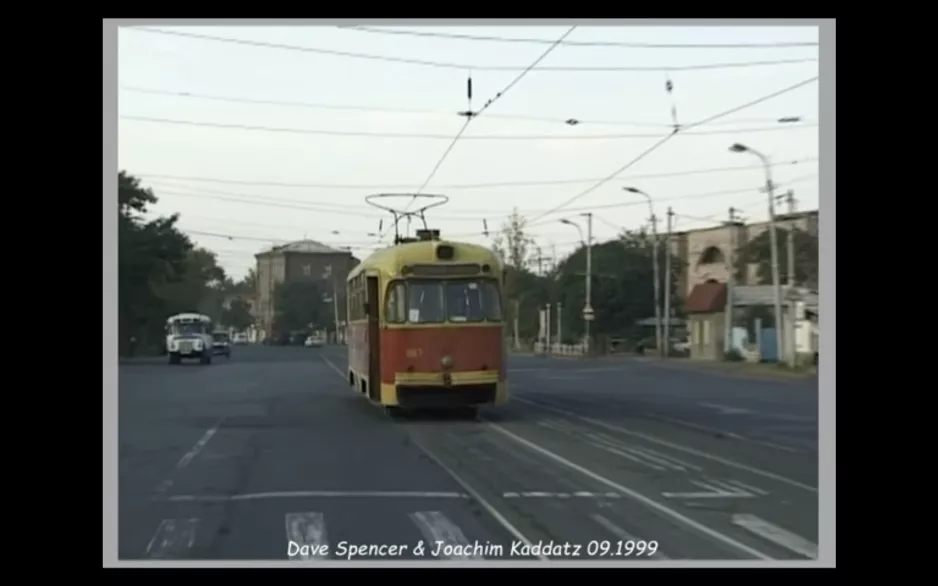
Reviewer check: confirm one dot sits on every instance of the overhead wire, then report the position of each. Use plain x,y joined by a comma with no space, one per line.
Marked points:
667,138
623,44
466,66
459,186
594,209
409,111
409,135
471,115
358,212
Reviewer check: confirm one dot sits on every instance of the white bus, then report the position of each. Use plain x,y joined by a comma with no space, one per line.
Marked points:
189,335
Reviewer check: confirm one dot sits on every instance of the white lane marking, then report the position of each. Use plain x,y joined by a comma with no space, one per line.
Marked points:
610,445
713,491
776,535
306,536
648,455
622,534
658,459
730,434
344,375
561,495
677,461
300,494
736,484
628,492
436,528
172,539
725,410
673,446
190,455
478,498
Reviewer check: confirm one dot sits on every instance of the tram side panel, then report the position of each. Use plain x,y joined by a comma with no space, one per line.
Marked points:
358,354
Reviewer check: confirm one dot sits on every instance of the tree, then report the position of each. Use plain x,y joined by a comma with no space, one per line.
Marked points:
758,252
299,305
248,285
160,272
622,285
515,248
238,315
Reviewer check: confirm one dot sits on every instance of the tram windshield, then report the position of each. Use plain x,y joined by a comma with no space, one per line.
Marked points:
455,301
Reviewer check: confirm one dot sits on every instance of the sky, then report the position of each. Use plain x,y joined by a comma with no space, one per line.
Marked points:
278,136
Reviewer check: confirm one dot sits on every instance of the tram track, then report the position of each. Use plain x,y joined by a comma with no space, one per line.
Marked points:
543,478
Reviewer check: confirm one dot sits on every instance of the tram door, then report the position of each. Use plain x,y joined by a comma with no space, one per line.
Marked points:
374,340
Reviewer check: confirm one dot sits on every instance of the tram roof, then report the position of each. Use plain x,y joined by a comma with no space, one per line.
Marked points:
393,257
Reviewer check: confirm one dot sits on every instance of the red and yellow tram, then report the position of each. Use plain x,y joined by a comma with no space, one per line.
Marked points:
426,327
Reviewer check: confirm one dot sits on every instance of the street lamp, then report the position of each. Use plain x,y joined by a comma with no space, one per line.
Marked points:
588,305
654,264
773,238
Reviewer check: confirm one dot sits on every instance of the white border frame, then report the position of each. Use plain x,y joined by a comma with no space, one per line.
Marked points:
827,427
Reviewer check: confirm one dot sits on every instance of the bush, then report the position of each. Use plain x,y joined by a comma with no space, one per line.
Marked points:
733,356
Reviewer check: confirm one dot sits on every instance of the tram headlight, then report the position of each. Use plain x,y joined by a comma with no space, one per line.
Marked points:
446,362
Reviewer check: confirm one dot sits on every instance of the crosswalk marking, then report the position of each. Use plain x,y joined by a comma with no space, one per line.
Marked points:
307,539
306,536
435,527
776,534
172,539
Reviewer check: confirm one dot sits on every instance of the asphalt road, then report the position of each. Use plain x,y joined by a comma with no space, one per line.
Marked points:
614,460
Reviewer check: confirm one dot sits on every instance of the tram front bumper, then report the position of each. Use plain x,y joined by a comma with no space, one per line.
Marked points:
445,389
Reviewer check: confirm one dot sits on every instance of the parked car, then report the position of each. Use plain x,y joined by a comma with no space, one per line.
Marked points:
314,341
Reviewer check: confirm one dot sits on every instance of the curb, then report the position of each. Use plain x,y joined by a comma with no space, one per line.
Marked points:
779,377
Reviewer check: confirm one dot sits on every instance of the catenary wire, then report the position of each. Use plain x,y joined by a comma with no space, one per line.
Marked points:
358,212
623,44
466,66
666,138
594,209
470,115
399,135
527,183
412,111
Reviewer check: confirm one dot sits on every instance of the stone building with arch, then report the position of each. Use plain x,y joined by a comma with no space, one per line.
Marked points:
705,252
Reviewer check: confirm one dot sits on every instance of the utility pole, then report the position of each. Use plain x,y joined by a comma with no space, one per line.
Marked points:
790,251
773,238
730,284
547,313
790,245
270,291
667,284
559,324
773,242
588,307
655,272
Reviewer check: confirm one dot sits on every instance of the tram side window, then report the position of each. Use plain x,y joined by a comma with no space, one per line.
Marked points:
396,309
425,302
353,298
359,300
